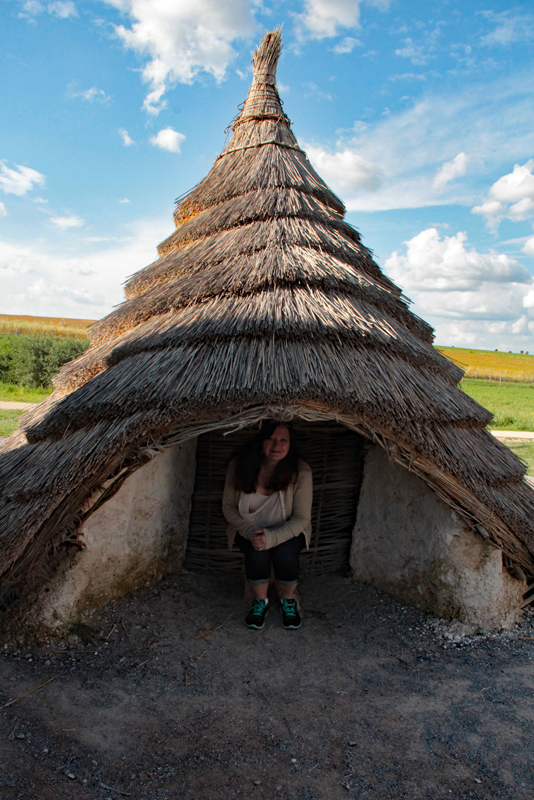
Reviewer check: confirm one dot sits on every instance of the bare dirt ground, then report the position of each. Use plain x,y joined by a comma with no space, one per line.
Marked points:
165,694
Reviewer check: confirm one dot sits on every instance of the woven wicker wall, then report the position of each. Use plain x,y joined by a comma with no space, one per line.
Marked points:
335,455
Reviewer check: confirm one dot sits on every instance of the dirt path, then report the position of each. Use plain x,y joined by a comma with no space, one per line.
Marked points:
15,405
175,698
513,434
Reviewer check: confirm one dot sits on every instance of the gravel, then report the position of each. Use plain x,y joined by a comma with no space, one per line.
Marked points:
166,694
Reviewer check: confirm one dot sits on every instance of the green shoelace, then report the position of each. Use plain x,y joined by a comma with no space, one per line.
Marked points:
289,607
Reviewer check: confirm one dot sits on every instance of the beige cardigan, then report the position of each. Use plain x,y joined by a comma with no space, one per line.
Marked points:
296,499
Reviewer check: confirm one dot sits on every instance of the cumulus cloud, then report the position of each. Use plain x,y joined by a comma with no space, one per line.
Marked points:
19,180
509,28
63,223
528,247
126,138
459,289
511,197
3,210
451,170
168,139
346,169
181,39
94,94
40,279
325,18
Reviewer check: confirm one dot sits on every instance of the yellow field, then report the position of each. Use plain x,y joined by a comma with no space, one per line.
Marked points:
492,365
44,326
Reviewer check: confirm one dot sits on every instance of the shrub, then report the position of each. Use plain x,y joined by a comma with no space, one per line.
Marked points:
34,360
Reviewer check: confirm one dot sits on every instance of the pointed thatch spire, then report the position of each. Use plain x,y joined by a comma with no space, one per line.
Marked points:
263,296
263,104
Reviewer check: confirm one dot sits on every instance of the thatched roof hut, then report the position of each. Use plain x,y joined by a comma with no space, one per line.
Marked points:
263,302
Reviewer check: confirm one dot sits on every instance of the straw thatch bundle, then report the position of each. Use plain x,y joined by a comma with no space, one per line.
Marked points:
263,301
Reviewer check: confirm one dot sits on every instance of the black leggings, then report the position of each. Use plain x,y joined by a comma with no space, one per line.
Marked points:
284,558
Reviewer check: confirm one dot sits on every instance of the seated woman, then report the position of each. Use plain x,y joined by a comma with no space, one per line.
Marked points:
267,501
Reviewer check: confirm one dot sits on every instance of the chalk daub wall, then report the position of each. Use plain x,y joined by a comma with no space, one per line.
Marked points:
408,542
131,541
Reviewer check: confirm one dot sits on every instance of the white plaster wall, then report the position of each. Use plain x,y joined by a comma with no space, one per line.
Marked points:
410,543
131,541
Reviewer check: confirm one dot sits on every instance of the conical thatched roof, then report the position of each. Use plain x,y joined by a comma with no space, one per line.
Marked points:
263,298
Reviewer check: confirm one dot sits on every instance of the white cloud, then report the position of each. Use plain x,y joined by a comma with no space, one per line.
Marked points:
516,185
62,9
528,247
19,180
40,279
124,200
451,170
63,223
315,91
492,122
415,52
168,139
126,138
91,95
324,18
435,264
407,76
346,169
31,8
509,28
3,210
346,45
462,292
180,39
511,197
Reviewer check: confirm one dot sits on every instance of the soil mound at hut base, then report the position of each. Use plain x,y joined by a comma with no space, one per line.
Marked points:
165,694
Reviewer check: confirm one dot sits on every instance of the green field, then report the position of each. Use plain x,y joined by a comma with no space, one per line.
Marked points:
511,403
9,422
13,392
524,450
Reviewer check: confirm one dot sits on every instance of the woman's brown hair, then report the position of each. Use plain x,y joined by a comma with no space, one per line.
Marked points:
248,459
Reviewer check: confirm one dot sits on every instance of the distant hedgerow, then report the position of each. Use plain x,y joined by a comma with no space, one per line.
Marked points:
34,360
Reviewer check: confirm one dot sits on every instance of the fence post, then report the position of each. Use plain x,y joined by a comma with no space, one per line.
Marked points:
490,374
500,377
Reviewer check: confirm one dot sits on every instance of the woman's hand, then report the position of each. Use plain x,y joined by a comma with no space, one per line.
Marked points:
258,540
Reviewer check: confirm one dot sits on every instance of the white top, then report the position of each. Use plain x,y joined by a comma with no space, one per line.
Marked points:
262,510
256,500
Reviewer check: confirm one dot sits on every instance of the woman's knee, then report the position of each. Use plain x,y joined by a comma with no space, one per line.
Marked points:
286,560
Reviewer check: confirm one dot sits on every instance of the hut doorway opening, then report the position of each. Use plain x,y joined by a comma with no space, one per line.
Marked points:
336,456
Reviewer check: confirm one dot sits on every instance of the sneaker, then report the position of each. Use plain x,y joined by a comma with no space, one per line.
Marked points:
290,615
256,616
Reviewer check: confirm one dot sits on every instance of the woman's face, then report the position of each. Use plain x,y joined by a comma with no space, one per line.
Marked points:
276,447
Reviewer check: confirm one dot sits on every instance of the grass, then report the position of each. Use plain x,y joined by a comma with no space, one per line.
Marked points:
511,403
9,422
11,392
491,365
524,450
44,326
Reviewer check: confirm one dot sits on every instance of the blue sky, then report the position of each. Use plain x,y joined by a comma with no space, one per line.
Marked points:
419,115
